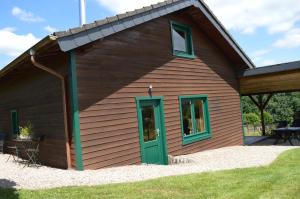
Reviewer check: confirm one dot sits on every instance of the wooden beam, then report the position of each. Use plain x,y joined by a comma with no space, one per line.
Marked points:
254,101
267,101
261,104
270,83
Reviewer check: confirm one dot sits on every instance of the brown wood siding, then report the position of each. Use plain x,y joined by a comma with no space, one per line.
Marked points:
36,95
112,72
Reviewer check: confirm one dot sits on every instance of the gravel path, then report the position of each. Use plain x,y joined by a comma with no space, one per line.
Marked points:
14,175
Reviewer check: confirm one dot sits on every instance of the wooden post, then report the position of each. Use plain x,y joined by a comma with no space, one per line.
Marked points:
262,117
261,106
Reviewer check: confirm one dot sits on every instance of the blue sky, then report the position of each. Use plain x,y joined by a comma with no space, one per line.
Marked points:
268,31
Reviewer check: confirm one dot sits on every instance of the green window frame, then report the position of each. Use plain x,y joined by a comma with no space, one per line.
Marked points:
14,119
195,136
189,53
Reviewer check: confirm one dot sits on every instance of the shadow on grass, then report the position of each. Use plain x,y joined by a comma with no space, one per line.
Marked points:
7,189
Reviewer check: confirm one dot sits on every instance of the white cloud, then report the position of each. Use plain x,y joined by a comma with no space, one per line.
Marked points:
290,40
121,6
50,29
268,62
24,15
12,44
261,52
247,16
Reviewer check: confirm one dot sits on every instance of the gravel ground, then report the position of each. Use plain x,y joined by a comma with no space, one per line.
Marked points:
16,176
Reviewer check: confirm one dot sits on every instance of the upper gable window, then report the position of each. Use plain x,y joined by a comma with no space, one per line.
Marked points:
182,40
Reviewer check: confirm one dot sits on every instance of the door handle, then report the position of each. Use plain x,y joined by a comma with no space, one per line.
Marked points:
157,132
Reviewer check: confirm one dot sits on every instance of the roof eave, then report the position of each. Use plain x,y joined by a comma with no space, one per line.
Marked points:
77,37
45,41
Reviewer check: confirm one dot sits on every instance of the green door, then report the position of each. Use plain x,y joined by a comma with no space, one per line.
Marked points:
152,131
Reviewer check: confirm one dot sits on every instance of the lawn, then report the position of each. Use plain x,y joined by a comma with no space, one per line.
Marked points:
279,180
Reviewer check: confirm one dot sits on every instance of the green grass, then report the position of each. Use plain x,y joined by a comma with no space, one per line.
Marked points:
256,133
281,180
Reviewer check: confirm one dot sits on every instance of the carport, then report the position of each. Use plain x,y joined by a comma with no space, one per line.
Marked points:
266,81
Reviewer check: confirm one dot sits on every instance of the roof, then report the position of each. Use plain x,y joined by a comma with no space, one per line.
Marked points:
77,37
284,67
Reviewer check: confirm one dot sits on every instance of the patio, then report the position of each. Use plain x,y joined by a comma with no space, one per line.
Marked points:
267,141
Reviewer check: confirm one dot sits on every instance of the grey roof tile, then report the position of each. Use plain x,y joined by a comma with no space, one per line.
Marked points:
121,16
94,34
81,39
101,22
67,43
118,26
147,8
139,11
111,25
138,20
128,23
272,69
89,26
76,30
106,30
112,19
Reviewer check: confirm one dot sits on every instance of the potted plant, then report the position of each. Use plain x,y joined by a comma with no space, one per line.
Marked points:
26,132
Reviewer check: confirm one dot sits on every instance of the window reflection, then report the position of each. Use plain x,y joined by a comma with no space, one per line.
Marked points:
199,116
179,39
148,123
187,117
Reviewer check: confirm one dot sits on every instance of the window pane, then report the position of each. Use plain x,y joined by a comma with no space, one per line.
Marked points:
187,117
179,40
199,115
148,123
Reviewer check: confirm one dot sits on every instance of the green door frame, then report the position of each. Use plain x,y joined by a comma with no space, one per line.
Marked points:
163,129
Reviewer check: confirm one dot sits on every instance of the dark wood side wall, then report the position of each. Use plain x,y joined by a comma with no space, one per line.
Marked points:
36,95
112,72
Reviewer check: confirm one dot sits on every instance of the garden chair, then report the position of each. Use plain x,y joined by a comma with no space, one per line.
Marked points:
13,152
282,124
33,151
296,123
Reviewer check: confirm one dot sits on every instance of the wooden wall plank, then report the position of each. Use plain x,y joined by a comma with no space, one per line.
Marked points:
119,68
37,97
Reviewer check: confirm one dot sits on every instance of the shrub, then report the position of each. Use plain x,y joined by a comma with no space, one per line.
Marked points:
268,118
27,130
252,119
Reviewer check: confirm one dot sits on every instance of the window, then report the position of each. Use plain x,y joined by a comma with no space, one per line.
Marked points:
14,122
182,40
195,122
148,123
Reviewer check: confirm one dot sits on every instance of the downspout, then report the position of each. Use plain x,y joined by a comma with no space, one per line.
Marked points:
64,100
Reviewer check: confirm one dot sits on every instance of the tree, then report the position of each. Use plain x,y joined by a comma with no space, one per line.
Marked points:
252,119
248,106
268,118
282,106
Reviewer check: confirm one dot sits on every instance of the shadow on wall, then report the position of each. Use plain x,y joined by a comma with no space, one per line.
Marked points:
7,189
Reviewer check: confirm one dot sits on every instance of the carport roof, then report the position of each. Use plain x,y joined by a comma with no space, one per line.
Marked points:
283,67
283,77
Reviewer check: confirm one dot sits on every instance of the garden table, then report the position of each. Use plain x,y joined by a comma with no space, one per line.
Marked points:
287,134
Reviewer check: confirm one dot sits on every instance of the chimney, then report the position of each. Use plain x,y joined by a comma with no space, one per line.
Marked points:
82,9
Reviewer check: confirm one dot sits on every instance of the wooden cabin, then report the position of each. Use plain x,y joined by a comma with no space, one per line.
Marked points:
134,88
